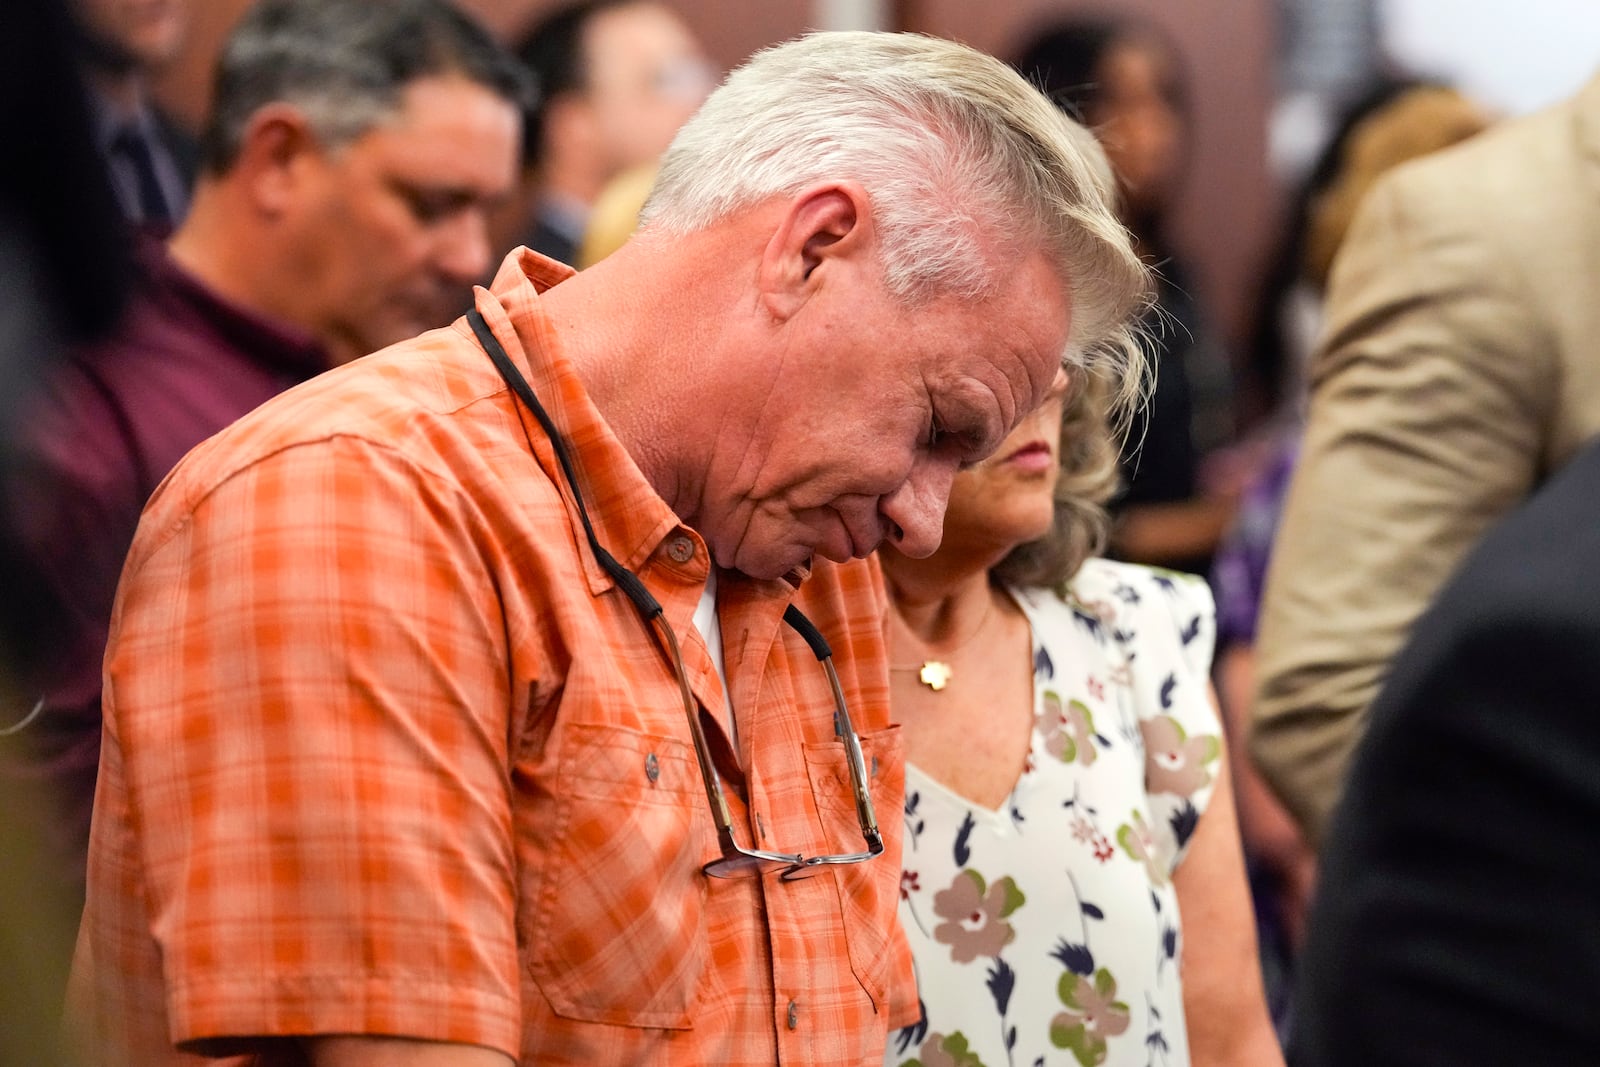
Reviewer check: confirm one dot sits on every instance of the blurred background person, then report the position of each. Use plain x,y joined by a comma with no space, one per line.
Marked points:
352,152
57,213
616,214
614,80
1395,120
1072,875
1126,82
1458,370
151,159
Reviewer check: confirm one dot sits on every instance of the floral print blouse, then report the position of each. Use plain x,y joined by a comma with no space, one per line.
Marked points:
1048,932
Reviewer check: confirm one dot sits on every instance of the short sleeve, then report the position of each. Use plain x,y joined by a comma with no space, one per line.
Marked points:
1166,621
307,687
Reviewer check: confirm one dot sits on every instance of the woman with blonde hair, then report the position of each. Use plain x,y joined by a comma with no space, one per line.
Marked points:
1072,883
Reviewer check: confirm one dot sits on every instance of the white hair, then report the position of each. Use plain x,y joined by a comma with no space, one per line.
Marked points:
965,165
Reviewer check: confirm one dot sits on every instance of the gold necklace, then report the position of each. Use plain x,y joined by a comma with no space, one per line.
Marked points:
936,673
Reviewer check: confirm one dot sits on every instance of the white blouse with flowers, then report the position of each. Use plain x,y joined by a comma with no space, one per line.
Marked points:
1047,932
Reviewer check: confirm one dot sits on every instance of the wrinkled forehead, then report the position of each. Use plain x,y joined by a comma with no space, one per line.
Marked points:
1043,321
1009,354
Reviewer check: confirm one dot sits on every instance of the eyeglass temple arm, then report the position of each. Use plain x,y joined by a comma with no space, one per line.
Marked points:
845,730
633,586
702,753
865,814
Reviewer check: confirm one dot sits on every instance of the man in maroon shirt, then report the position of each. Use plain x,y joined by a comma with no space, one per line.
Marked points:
352,152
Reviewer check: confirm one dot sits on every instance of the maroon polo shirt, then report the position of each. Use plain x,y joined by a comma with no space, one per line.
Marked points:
106,426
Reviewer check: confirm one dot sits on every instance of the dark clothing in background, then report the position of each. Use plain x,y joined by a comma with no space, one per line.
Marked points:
1457,917
1189,410
170,154
103,429
57,209
65,273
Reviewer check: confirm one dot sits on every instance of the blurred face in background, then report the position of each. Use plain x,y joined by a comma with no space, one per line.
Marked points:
126,35
1140,121
389,230
646,74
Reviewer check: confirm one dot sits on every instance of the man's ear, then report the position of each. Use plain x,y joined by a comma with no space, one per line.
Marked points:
821,226
277,145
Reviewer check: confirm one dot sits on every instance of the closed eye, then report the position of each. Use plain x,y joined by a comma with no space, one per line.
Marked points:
961,432
431,205
962,444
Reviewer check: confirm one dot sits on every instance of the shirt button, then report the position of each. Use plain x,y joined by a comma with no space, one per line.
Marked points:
680,549
794,1015
652,767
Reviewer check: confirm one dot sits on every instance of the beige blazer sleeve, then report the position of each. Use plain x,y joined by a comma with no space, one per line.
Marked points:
1430,391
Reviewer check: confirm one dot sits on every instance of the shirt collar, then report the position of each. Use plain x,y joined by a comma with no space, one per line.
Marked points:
630,518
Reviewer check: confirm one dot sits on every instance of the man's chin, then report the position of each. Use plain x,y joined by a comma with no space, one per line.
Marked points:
835,556
773,563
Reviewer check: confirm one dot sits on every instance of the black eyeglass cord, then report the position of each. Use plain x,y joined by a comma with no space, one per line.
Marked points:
735,859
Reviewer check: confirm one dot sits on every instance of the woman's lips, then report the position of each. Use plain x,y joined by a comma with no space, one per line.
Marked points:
1035,456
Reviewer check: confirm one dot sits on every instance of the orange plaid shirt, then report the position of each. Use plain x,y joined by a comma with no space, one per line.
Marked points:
386,753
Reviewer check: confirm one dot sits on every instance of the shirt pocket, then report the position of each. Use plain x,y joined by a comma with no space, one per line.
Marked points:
869,892
619,929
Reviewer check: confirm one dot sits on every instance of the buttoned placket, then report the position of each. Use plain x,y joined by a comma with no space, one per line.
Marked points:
755,663
679,561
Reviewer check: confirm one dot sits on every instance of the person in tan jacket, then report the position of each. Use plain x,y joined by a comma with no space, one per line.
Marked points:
1459,368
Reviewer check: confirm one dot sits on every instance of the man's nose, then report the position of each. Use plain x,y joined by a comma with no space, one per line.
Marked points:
462,251
916,510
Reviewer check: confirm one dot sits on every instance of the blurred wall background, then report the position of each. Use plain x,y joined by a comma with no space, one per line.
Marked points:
1514,57
1245,58
1229,203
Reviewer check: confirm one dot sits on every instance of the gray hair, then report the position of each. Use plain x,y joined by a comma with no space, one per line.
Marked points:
964,162
344,64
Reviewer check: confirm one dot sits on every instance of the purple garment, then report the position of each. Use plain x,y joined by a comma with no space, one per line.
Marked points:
107,425
1239,572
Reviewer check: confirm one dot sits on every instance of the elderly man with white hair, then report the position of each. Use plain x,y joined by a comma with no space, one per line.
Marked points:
519,693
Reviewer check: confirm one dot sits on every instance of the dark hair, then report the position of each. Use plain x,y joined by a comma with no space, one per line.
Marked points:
1064,59
552,55
345,63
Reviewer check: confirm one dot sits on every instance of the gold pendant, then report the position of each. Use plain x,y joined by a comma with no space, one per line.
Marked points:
935,674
